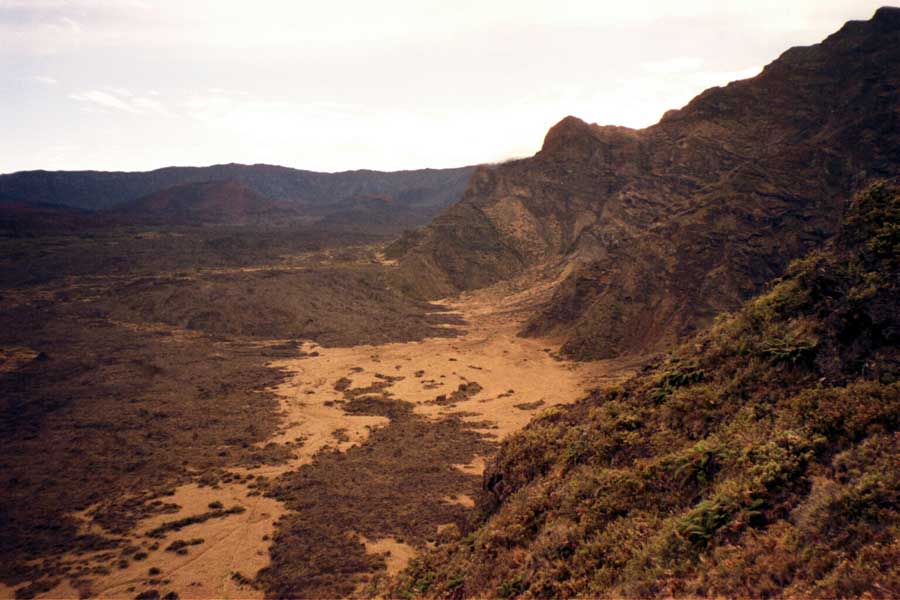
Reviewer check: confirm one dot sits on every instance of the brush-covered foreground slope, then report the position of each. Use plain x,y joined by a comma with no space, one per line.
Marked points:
759,459
667,226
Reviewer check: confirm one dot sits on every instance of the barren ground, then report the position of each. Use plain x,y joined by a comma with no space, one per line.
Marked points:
376,452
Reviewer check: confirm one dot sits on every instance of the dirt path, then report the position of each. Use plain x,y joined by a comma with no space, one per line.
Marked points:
496,380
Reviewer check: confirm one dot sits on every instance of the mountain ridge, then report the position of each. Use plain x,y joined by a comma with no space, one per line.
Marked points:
311,190
659,229
411,197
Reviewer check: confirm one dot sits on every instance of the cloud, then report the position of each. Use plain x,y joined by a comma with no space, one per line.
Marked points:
680,64
43,79
739,74
149,105
339,85
70,25
701,80
121,99
40,37
38,6
104,100
119,91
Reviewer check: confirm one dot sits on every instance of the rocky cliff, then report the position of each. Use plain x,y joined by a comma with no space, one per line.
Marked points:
661,228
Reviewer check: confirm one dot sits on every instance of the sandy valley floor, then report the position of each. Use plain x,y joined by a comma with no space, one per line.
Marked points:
495,379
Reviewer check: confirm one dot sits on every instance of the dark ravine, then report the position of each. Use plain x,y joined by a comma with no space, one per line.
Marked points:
667,226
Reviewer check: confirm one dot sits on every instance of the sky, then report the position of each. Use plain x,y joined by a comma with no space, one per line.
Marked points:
333,85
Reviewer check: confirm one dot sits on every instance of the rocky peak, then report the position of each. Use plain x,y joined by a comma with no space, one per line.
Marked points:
571,130
574,137
887,17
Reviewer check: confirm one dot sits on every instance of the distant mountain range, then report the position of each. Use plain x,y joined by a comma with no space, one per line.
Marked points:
655,231
390,200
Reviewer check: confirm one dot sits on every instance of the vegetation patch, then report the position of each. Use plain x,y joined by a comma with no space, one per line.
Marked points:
393,485
179,524
181,546
529,405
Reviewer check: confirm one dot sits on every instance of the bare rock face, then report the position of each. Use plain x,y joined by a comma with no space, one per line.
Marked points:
667,226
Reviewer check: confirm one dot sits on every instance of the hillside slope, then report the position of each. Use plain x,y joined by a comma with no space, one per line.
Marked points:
756,460
660,229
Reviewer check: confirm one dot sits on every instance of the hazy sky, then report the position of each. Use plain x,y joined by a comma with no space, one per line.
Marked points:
332,85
